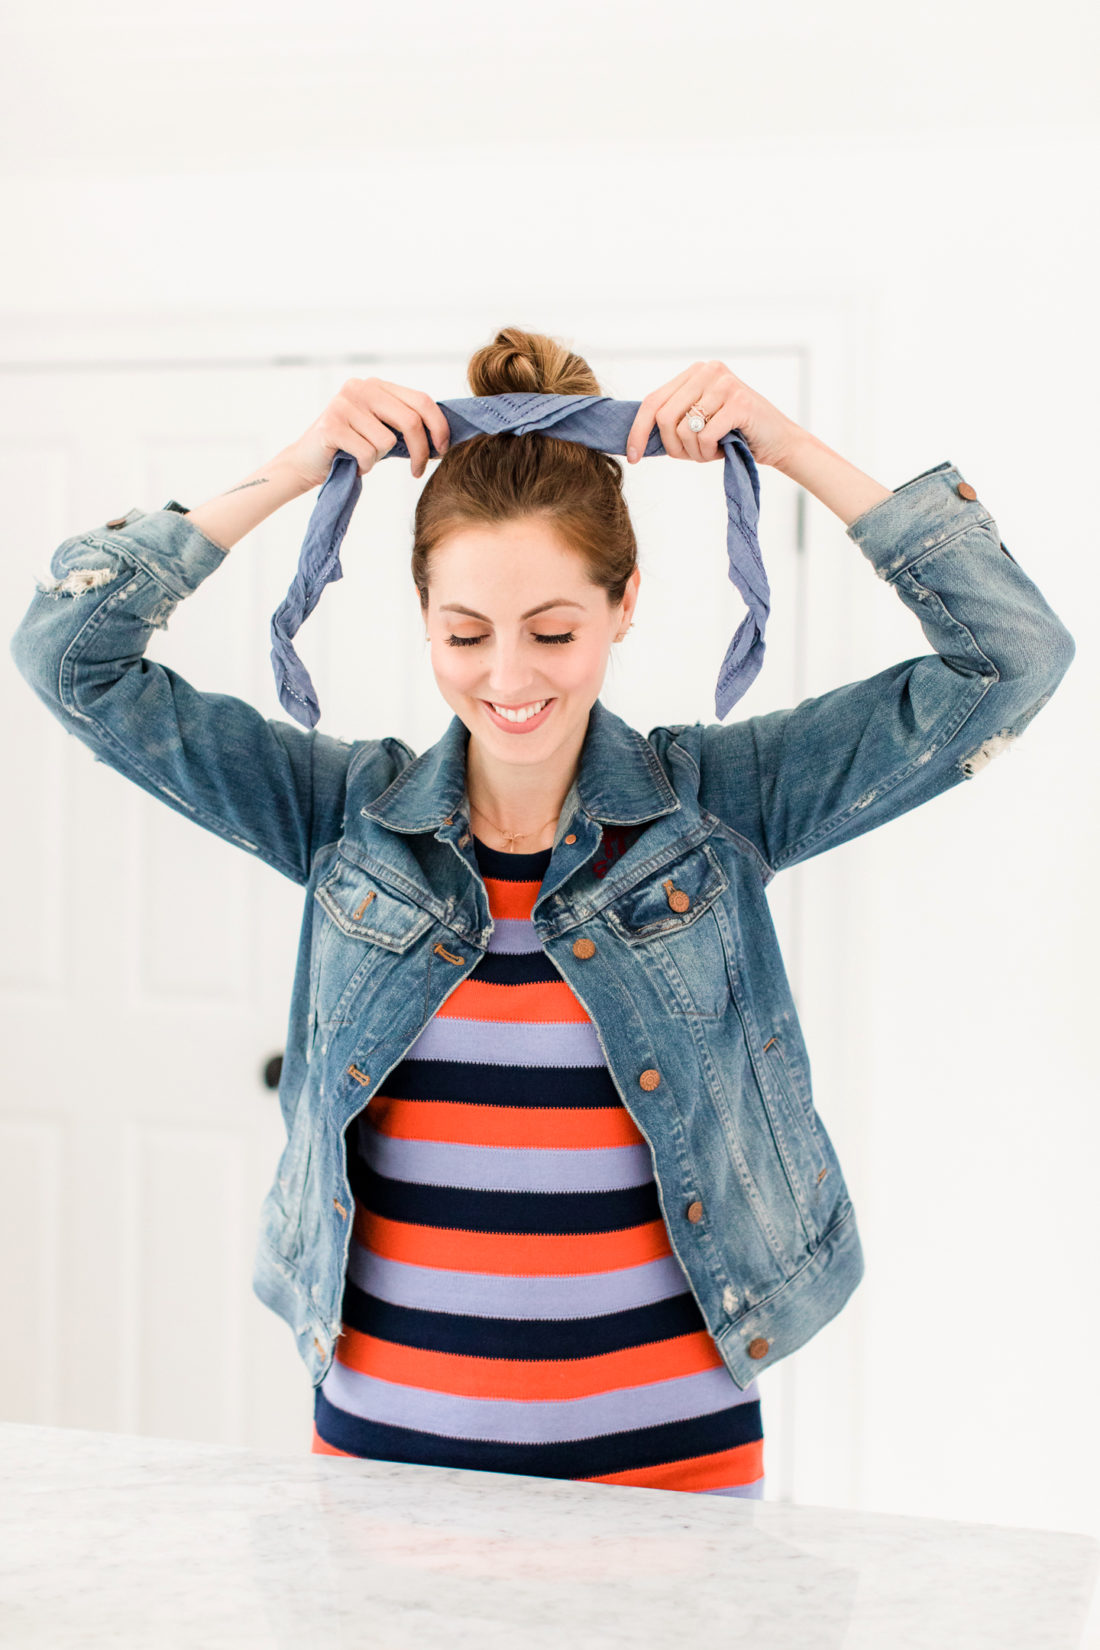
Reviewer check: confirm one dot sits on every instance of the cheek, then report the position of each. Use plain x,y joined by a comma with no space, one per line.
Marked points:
583,663
456,663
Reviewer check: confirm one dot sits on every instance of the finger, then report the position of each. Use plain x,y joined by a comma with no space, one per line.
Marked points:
639,432
720,423
384,404
709,399
378,437
364,452
688,437
432,414
680,441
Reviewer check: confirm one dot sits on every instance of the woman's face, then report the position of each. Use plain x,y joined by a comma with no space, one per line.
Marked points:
516,624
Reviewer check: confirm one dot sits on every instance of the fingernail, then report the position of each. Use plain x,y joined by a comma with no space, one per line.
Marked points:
632,454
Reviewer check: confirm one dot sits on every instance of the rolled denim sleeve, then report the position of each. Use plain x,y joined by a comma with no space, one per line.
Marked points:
264,785
795,782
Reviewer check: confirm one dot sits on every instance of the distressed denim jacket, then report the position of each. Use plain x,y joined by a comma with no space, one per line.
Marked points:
689,998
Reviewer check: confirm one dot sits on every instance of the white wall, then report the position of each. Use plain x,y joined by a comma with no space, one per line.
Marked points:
930,179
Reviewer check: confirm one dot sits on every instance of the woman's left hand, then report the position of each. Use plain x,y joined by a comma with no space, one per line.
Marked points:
729,404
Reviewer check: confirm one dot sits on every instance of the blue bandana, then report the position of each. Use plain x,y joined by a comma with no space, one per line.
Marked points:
594,421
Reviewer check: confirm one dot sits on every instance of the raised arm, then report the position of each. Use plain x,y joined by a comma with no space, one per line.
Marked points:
796,782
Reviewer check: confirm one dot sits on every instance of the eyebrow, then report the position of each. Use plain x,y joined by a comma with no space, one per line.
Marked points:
558,601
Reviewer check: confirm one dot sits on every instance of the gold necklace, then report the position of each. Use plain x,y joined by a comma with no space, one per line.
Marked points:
513,836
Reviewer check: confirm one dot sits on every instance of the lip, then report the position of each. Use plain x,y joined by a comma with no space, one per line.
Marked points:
529,726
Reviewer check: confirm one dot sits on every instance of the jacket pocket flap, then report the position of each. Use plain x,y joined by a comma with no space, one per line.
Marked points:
669,900
365,910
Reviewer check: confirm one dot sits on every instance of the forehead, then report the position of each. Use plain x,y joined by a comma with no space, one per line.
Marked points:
513,565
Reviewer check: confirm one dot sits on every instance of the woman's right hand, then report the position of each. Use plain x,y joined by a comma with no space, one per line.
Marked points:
353,423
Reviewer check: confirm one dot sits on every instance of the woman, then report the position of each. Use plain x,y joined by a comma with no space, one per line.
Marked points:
554,1188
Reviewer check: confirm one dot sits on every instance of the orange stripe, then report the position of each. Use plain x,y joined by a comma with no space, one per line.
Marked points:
568,1128
743,1464
319,1447
540,1001
520,1255
510,899
544,1379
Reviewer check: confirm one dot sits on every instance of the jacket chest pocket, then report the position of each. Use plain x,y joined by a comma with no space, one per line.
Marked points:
670,921
368,931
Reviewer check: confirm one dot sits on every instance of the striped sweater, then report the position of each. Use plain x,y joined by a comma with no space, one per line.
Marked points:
512,1302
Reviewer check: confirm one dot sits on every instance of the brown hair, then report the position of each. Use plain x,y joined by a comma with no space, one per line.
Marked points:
494,479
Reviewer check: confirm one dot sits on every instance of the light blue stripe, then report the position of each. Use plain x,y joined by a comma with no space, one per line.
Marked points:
748,1492
507,1043
502,1295
513,934
532,1421
505,1168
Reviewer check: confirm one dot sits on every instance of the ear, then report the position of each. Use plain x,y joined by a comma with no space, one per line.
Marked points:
630,595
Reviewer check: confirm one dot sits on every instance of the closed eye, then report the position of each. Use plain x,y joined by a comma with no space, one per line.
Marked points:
471,641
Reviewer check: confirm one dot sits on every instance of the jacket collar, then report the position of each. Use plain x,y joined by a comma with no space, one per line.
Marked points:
619,779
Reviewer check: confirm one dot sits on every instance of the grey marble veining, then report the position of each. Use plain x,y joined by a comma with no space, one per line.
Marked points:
112,1539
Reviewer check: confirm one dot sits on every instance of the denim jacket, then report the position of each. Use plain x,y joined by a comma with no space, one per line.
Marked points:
688,994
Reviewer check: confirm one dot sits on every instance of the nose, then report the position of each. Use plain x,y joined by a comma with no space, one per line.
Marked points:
509,679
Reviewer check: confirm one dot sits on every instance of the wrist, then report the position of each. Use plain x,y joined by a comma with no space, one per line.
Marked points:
286,478
843,488
798,443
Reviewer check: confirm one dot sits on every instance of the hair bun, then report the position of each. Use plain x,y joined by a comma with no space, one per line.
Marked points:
531,362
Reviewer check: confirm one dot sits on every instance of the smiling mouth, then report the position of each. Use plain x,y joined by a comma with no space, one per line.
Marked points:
518,713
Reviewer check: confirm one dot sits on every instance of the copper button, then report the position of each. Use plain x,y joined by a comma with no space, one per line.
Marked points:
758,1348
695,1212
678,900
649,1078
119,521
965,490
584,948
570,839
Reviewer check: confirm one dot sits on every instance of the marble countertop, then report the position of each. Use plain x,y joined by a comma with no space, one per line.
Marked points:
113,1539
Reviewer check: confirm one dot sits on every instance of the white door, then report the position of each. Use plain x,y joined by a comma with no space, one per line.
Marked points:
147,966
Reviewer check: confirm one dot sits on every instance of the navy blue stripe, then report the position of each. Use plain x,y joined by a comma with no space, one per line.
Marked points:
466,1209
520,1339
507,1213
515,968
497,863
583,1458
480,1083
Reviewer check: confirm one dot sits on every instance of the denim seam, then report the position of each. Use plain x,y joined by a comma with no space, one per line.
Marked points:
125,549
789,1283
928,549
937,740
68,699
676,749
